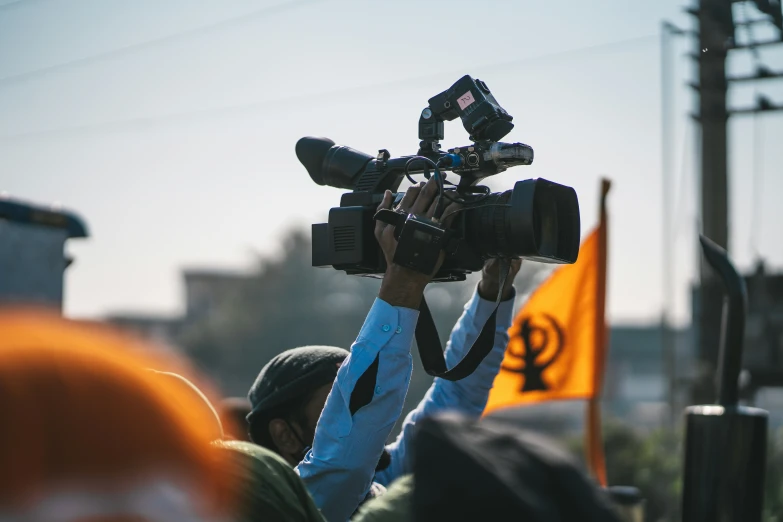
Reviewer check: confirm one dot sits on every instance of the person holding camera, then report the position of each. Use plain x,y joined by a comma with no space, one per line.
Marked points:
345,456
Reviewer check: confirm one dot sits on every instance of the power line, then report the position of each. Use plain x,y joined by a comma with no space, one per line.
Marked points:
18,3
679,207
128,49
282,102
758,137
751,40
10,4
758,184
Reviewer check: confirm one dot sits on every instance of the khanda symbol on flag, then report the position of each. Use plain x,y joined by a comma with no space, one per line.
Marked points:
557,343
554,347
535,344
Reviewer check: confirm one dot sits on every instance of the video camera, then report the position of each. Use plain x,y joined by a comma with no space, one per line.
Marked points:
537,219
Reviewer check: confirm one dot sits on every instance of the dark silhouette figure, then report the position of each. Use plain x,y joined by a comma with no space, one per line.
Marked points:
532,369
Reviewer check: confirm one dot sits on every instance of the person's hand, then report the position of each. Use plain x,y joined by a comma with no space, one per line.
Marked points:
402,286
490,279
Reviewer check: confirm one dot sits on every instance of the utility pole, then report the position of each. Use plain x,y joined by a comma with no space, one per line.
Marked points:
716,38
716,32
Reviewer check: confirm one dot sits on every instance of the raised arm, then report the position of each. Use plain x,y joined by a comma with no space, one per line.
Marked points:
368,394
469,395
365,402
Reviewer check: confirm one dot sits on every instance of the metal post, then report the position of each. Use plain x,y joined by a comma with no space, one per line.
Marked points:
715,32
725,443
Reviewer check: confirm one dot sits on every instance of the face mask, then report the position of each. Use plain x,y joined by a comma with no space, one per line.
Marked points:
305,447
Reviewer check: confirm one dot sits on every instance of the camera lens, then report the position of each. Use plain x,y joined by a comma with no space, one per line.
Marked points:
537,220
485,225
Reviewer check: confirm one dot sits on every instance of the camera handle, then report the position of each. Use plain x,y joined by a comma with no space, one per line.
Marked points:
430,347
421,255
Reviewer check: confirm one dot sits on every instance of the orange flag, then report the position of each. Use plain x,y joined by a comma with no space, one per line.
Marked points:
557,343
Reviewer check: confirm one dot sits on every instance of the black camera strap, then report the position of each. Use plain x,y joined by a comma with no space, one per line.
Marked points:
427,338
431,349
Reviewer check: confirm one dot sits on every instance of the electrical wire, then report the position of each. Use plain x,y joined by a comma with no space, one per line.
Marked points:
18,3
682,175
443,194
436,173
284,102
758,184
751,40
132,48
11,4
408,163
758,138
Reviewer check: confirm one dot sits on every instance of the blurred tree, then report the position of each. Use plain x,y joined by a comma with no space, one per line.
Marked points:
773,495
652,462
287,303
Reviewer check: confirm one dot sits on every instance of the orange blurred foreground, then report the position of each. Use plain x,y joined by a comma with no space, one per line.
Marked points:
88,432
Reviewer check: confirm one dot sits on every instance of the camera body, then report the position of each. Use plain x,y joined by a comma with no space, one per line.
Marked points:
537,219
347,242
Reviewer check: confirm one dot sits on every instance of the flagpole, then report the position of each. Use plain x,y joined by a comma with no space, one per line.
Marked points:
594,447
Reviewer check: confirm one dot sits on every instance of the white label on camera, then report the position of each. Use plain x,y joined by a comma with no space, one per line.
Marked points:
465,100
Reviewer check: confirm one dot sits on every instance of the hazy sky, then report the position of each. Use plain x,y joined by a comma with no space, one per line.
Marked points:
180,152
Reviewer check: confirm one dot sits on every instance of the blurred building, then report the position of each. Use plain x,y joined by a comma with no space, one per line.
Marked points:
164,330
763,357
636,384
205,290
636,387
32,252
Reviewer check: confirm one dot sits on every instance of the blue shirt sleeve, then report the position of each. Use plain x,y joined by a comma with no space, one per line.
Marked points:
339,469
469,395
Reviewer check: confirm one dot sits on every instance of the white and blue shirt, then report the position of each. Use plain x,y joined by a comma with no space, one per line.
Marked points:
340,467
